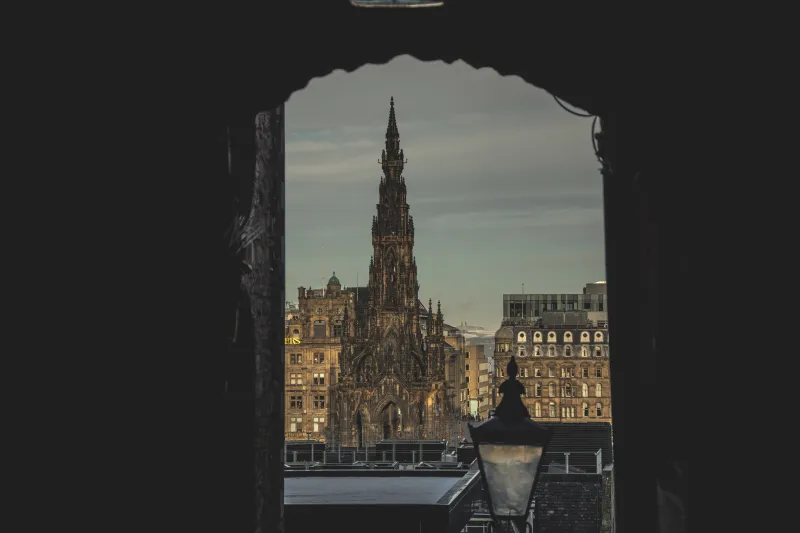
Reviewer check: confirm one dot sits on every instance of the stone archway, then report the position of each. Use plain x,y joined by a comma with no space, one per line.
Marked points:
391,421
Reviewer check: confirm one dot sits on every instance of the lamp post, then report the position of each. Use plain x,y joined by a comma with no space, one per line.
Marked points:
510,447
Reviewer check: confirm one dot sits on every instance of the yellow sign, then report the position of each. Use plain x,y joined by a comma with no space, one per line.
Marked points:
291,340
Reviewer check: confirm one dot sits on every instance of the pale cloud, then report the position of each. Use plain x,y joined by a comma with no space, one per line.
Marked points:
495,170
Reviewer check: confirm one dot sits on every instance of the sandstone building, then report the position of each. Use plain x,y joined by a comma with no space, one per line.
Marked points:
562,354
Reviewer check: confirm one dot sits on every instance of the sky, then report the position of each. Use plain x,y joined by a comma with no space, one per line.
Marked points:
502,183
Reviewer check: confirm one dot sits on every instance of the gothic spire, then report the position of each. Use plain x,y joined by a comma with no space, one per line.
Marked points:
391,128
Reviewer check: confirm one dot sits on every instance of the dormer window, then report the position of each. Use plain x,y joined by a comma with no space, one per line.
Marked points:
521,337
598,336
568,337
537,336
551,336
585,336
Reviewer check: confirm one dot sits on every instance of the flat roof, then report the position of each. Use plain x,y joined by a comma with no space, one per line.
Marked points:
359,490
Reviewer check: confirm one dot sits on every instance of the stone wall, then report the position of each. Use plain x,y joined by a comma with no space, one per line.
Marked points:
569,503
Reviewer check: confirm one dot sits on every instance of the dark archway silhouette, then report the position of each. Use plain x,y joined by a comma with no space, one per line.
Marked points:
205,108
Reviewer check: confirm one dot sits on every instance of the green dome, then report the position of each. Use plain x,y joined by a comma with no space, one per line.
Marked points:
334,280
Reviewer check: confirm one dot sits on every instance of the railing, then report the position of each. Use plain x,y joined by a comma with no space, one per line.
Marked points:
573,463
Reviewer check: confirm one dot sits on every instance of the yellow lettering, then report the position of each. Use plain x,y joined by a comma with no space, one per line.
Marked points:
291,340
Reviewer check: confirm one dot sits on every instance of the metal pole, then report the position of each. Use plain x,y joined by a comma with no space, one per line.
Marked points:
566,462
312,452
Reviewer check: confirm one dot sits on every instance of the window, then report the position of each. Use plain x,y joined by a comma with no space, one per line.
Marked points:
296,402
551,351
568,337
319,402
319,424
296,359
521,337
553,410
537,372
499,372
337,328
585,391
598,390
523,372
537,352
522,351
567,351
585,409
466,367
554,307
551,372
467,378
537,410
598,372
319,378
537,337
538,389
320,328
567,372
296,379
319,358
552,390
568,390
598,352
584,336
295,424
551,336
599,408
568,412
584,351
598,336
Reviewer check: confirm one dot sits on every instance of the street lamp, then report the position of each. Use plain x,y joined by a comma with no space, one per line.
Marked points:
510,447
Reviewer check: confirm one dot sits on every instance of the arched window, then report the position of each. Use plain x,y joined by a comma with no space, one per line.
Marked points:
584,351
551,336
551,371
598,336
537,410
599,408
585,391
521,337
296,333
537,336
584,336
551,351
552,390
537,351
585,409
567,351
538,389
552,410
537,371
568,390
598,390
320,328
598,352
337,328
522,351
568,337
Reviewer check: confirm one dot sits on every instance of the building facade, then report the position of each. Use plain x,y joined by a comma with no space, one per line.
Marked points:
563,358
392,375
312,348
526,308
